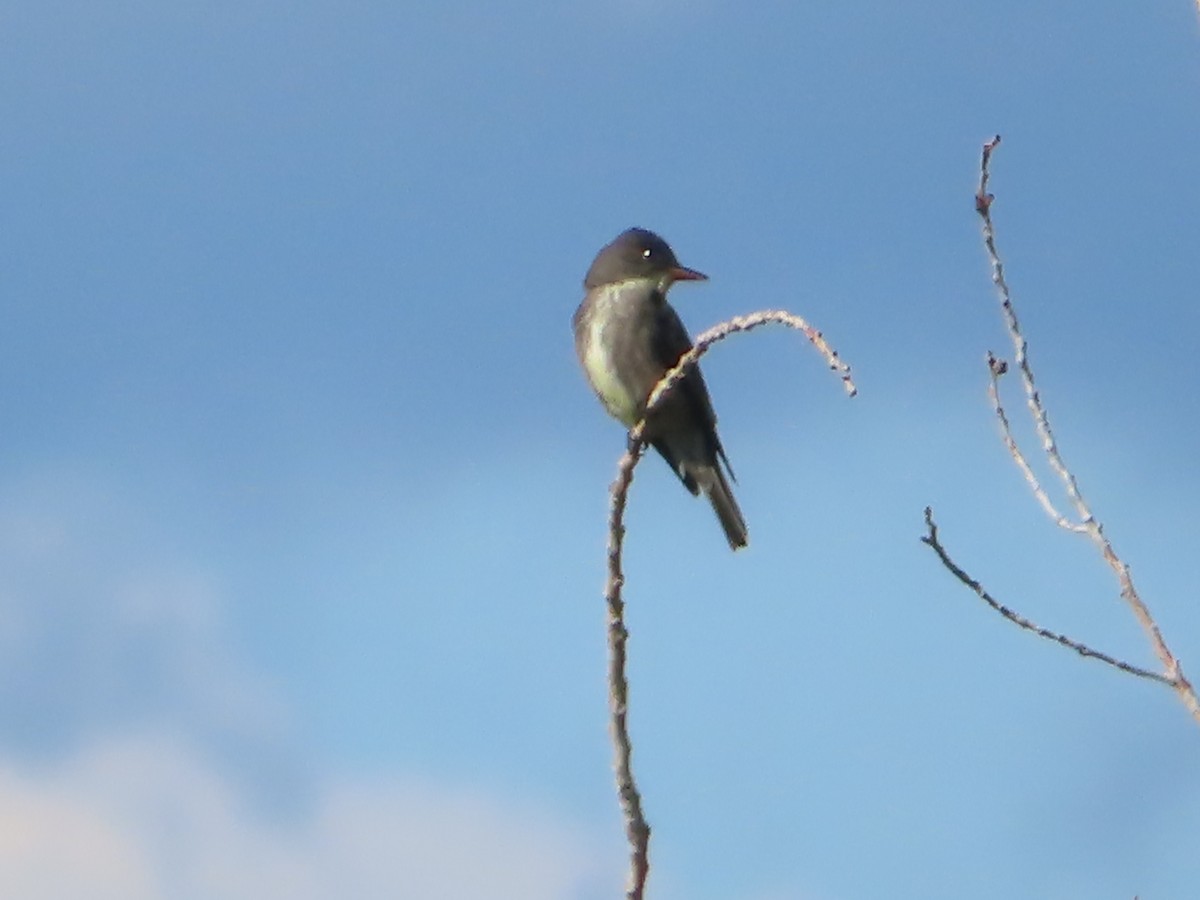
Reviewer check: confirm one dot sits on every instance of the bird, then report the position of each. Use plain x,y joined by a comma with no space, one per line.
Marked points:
627,336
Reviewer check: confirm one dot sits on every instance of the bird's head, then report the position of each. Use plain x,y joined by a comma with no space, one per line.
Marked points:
638,254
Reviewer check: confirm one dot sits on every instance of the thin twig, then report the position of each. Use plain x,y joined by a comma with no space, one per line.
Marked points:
637,830
931,538
983,205
1172,673
996,368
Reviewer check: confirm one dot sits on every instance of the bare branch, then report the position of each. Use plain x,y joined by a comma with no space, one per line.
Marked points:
983,205
931,538
997,368
637,830
1087,524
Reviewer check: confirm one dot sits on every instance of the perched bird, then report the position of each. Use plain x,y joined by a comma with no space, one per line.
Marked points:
627,337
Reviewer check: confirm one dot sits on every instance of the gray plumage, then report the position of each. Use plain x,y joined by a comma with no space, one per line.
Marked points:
627,337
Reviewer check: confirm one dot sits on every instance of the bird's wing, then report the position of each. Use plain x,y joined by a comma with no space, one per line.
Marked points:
671,341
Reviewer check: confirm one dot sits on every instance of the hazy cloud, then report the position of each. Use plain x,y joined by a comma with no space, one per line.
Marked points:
148,817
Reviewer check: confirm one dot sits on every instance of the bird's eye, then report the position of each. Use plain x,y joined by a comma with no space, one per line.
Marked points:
646,253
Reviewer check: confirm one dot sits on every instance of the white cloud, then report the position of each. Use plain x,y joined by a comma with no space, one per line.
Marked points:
137,748
149,818
54,845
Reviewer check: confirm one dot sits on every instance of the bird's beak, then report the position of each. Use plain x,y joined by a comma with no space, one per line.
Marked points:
682,273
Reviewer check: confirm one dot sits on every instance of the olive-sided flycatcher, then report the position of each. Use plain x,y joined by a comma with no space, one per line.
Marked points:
627,337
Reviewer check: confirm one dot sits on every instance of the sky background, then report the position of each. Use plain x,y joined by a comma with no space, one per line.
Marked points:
303,496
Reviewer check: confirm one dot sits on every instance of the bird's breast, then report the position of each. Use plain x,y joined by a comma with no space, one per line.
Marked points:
611,350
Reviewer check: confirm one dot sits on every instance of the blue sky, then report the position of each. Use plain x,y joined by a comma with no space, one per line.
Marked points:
302,494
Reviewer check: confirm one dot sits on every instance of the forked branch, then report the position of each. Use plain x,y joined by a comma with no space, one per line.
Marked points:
1085,522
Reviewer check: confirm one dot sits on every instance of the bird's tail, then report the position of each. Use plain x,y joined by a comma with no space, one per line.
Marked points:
719,494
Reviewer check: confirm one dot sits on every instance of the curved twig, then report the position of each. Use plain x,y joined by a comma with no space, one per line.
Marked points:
637,830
